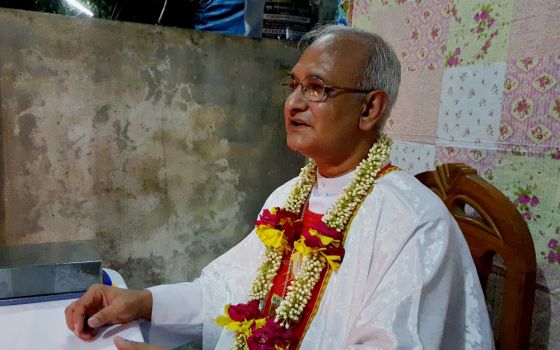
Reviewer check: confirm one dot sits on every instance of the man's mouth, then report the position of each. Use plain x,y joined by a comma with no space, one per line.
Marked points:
297,123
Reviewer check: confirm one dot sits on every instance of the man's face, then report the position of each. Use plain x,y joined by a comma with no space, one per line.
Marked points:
328,130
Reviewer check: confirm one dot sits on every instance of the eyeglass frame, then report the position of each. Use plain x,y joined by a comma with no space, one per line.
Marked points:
324,88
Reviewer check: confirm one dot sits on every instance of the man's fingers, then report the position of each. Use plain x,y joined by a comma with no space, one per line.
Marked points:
78,317
69,316
102,317
75,313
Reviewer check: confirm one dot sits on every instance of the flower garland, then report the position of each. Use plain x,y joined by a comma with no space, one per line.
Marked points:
280,230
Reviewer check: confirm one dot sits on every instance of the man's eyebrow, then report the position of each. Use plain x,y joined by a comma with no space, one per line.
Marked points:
311,75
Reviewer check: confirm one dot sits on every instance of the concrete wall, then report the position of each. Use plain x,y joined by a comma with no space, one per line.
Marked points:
160,143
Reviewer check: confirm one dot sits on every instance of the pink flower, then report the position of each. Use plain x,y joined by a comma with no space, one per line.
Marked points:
486,46
477,17
543,81
490,22
435,32
534,201
452,59
527,62
484,15
522,107
553,244
524,199
414,35
553,257
527,216
271,336
242,312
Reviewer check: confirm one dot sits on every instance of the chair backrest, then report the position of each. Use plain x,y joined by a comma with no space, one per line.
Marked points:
496,227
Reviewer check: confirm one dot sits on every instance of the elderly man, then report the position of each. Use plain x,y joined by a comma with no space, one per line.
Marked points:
352,254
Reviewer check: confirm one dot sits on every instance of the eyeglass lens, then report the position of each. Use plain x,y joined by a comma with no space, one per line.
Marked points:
313,88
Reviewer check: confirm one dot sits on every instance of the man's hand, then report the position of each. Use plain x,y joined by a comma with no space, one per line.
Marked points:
102,305
123,344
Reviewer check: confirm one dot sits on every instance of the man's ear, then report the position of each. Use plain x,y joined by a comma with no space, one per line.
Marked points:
373,108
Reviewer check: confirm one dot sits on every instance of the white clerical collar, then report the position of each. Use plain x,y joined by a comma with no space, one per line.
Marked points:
330,186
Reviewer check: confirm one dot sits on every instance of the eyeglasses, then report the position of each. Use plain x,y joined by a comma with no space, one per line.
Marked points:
314,89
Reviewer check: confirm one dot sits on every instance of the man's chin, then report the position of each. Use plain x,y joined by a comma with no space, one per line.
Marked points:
298,147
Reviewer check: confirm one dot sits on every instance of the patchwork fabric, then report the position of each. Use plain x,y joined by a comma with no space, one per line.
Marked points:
481,84
480,32
480,159
531,107
471,99
413,157
535,28
531,183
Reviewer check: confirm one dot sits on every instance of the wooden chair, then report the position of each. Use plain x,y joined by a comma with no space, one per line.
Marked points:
497,227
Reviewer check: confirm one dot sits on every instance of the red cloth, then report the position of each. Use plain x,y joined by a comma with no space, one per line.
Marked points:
284,277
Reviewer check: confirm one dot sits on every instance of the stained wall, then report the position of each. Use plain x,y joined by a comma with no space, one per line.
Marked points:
159,143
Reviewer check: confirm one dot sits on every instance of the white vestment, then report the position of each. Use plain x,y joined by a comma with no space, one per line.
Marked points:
407,280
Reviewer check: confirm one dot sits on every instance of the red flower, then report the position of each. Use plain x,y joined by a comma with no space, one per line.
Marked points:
338,251
283,220
270,337
267,218
327,249
325,230
314,241
242,312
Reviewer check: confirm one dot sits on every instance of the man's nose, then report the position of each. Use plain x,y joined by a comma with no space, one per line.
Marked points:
295,102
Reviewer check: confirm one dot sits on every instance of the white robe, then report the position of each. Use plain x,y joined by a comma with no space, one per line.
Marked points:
407,280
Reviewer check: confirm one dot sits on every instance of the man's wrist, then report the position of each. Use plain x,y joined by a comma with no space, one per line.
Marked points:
147,303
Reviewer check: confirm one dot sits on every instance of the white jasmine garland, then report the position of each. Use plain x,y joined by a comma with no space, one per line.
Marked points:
338,216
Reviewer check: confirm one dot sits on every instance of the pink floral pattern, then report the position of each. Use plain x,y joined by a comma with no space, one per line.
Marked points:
485,29
482,160
553,255
428,28
531,183
481,33
525,201
531,104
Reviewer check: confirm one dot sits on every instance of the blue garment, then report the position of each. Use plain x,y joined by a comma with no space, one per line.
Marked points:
224,16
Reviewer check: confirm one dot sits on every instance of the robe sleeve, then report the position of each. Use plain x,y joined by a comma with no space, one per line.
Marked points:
193,306
177,305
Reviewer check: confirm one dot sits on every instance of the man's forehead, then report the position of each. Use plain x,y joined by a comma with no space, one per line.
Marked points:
327,56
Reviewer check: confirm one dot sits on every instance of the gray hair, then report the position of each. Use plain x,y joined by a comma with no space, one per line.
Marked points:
382,69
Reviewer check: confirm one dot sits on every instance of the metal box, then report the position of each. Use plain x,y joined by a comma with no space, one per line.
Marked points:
48,268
